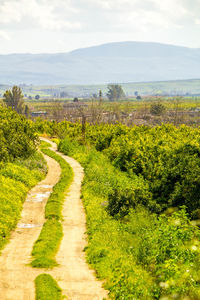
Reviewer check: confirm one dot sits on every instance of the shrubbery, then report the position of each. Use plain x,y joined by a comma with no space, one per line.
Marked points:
164,160
141,256
17,135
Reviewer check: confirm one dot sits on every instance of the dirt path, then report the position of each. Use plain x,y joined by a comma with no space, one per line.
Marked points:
77,281
73,275
16,278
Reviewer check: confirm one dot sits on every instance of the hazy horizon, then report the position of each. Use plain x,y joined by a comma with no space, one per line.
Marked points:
97,45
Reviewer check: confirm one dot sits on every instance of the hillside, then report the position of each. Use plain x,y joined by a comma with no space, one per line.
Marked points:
114,62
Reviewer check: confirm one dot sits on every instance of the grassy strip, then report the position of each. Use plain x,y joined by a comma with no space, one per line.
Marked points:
47,245
140,256
16,179
47,288
53,208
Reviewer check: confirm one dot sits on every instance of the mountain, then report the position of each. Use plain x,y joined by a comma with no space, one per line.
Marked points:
114,62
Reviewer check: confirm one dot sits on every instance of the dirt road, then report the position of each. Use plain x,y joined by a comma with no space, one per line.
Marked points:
16,277
77,281
75,278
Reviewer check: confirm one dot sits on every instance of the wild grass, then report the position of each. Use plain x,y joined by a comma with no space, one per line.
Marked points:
47,245
47,288
54,204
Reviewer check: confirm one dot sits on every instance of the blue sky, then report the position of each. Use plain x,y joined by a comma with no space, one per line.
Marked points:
48,26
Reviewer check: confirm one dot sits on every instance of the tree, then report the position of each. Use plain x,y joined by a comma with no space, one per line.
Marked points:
100,96
15,99
63,95
26,111
37,97
115,92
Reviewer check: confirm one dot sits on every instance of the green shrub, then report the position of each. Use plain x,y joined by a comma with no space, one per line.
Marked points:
157,109
22,174
17,135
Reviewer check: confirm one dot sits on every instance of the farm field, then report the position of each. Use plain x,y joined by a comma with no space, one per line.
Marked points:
150,111
175,87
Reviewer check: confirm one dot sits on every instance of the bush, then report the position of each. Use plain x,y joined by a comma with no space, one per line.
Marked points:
157,109
17,135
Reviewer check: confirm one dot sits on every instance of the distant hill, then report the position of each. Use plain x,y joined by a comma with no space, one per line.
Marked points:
114,62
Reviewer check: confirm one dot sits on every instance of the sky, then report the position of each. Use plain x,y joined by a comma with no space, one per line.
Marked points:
51,26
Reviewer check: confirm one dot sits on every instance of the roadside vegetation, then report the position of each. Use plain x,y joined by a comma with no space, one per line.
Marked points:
141,195
21,167
16,179
47,244
18,137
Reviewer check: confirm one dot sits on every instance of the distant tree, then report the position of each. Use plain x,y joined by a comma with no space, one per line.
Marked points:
100,96
63,95
26,111
15,99
37,97
136,93
115,92
30,97
138,97
75,99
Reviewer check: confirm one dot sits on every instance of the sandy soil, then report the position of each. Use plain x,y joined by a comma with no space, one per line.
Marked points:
73,275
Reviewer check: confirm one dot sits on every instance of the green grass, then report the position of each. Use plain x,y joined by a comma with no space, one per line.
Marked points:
47,288
53,208
46,247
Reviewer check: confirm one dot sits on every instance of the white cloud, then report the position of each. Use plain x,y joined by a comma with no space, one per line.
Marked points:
100,20
12,11
78,14
4,35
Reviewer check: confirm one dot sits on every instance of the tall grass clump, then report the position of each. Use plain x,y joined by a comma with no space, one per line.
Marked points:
47,288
